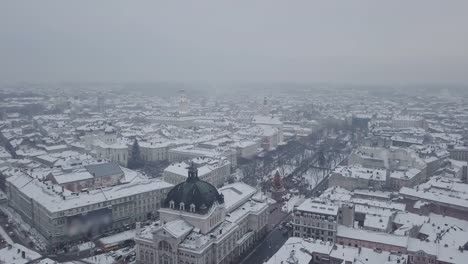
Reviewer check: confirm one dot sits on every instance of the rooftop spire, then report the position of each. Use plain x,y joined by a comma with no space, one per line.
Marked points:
192,172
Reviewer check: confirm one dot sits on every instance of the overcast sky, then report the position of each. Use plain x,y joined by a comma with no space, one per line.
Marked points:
256,40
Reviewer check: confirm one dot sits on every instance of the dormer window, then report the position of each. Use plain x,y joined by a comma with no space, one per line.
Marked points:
171,204
192,208
182,206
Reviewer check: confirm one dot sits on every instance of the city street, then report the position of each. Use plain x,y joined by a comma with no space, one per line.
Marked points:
274,239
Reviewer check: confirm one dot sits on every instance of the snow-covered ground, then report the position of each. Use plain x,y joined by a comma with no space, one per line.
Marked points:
313,177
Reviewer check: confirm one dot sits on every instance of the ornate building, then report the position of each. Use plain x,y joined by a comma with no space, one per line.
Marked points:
108,147
199,224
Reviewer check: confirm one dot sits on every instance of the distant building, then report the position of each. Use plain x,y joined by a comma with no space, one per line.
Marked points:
408,121
357,177
458,152
267,120
400,167
152,151
107,147
183,103
360,121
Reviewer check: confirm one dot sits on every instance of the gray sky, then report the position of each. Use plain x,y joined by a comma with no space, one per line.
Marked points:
213,41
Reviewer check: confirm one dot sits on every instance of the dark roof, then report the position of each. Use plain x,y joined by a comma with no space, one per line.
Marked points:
104,169
193,191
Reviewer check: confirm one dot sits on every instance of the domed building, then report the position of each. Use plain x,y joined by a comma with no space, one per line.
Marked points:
199,225
193,195
108,147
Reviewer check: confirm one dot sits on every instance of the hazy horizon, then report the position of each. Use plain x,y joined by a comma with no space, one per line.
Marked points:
398,42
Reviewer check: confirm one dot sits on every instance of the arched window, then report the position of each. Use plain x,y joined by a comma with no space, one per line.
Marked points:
171,204
182,206
192,208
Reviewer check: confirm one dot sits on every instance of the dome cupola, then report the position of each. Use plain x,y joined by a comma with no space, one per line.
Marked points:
193,195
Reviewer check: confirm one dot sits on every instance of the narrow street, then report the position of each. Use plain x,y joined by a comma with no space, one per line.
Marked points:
273,240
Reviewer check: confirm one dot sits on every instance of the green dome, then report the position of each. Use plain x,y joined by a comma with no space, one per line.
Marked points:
193,191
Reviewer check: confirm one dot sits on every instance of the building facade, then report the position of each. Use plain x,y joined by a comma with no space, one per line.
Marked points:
197,225
317,219
61,215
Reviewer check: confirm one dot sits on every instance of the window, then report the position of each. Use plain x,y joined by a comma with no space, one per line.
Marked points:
165,246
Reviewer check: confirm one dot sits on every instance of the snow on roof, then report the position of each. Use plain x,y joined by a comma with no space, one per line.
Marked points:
266,120
372,193
295,245
379,204
250,207
451,255
416,245
191,149
236,194
315,206
73,177
118,238
366,255
244,143
304,249
196,240
434,197
144,144
47,158
407,139
336,193
408,174
405,221
55,147
13,255
178,228
445,230
204,166
361,234
357,171
380,222
48,194
104,169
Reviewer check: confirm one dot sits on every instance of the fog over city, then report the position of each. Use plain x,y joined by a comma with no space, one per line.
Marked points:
223,41
222,132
